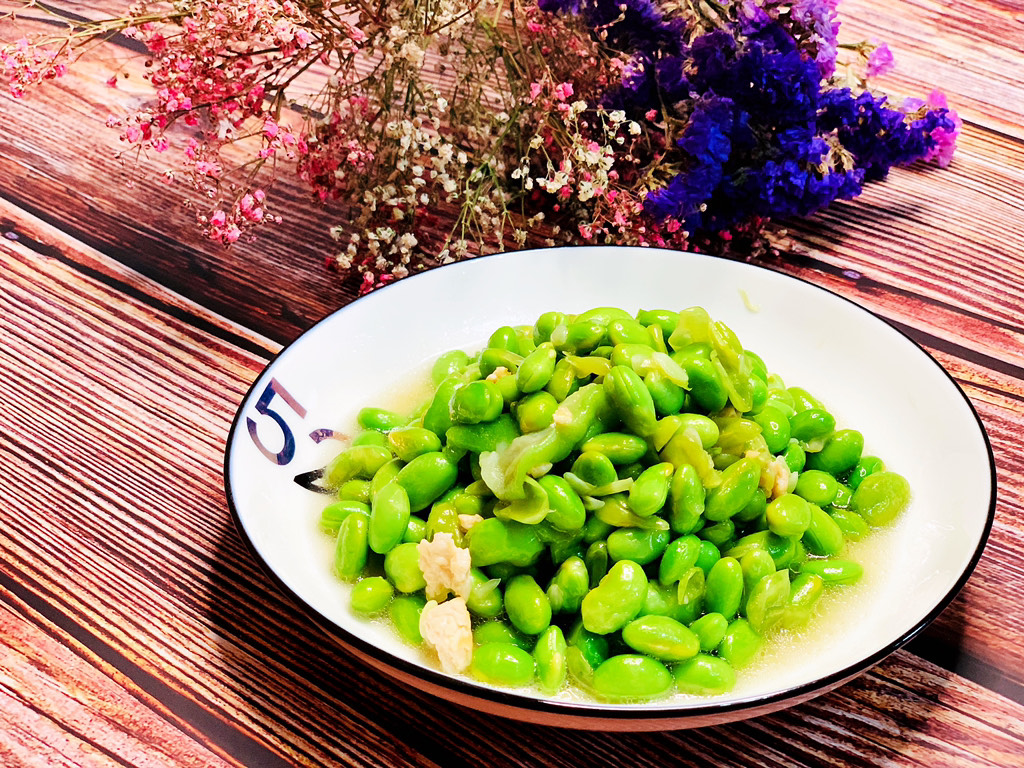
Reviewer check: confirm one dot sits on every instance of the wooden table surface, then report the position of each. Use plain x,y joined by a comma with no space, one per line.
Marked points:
136,629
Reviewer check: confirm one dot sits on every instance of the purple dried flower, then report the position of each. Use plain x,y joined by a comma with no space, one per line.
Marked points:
880,61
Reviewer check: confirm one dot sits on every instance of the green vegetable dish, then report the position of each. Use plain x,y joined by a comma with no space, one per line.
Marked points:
628,505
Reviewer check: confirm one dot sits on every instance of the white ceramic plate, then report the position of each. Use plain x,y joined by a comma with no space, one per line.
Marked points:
871,376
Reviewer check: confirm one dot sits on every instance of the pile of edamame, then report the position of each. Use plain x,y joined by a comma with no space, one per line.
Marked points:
644,504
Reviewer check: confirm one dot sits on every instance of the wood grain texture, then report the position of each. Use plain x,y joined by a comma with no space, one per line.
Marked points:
139,553
62,176
135,629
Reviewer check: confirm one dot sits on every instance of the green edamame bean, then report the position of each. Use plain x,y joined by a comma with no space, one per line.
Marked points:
668,396
370,437
707,389
704,675
774,428
799,555
565,544
750,543
485,598
379,419
781,400
444,518
707,430
834,571
817,487
545,324
594,468
810,424
804,400
659,601
493,358
496,541
630,399
502,664
707,556
783,549
565,508
437,417
504,337
631,676
385,475
409,442
739,483
475,402
757,365
537,368
351,548
649,492
370,596
563,381
402,567
487,436
722,534
639,357
850,523
768,601
840,453
355,490
686,500
823,536
640,546
536,412
622,331
332,516
661,637
739,644
795,457
357,461
549,658
754,508
569,585
593,646
867,465
526,605
880,497
843,496
710,629
788,515
597,561
678,558
804,592
665,318
579,337
616,600
723,589
620,447
580,671
690,595
405,613
448,364
389,517
425,478
497,631
755,565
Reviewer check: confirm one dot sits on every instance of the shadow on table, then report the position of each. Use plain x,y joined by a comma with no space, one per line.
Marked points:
302,692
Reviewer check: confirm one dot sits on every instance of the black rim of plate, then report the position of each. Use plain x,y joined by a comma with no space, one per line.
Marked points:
596,710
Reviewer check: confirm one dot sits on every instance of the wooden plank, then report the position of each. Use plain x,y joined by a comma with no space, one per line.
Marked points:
946,235
970,49
145,562
63,708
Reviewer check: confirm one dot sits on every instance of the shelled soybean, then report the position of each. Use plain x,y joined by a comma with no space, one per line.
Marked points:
646,504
